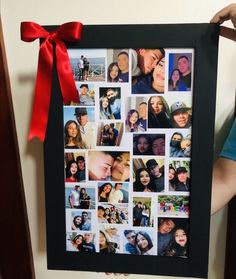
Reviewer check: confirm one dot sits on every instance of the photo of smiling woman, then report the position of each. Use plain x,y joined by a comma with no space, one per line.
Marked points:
179,244
71,171
105,109
143,182
132,124
74,242
175,83
144,243
113,72
73,137
158,113
105,246
104,192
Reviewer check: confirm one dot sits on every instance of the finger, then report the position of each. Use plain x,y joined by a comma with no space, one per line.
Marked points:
221,16
219,19
228,33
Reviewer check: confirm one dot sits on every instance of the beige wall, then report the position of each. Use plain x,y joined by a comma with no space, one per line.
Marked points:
22,63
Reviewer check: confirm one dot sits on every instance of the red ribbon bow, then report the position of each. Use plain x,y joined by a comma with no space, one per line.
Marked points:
70,32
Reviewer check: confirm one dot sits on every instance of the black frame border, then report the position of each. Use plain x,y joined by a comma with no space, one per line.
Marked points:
204,39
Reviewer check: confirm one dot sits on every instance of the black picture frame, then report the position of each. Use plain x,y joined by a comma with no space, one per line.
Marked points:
204,39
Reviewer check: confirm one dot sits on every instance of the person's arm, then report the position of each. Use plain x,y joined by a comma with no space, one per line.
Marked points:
224,173
223,183
224,170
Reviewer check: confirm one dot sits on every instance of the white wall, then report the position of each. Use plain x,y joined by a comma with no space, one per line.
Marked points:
22,63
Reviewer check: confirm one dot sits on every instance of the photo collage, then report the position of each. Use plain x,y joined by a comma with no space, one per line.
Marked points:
127,150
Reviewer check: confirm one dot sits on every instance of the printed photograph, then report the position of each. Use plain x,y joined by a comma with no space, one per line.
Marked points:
179,176
113,214
80,197
138,242
180,144
148,175
113,192
143,212
109,165
110,103
109,239
136,114
88,64
180,72
80,242
86,94
109,134
75,167
118,65
81,220
149,144
169,113
172,239
171,206
79,127
148,71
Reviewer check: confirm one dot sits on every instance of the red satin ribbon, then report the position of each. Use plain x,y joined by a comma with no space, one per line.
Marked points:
70,32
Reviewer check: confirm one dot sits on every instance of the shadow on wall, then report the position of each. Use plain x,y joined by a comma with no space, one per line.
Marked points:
217,244
35,149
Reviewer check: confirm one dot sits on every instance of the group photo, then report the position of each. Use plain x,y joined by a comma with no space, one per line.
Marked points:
113,214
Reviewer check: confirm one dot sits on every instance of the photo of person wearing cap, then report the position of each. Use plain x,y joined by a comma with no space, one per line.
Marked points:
84,96
180,115
180,146
156,175
86,127
183,181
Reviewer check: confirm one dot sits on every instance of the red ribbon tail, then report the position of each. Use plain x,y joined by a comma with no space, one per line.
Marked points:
65,75
42,95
